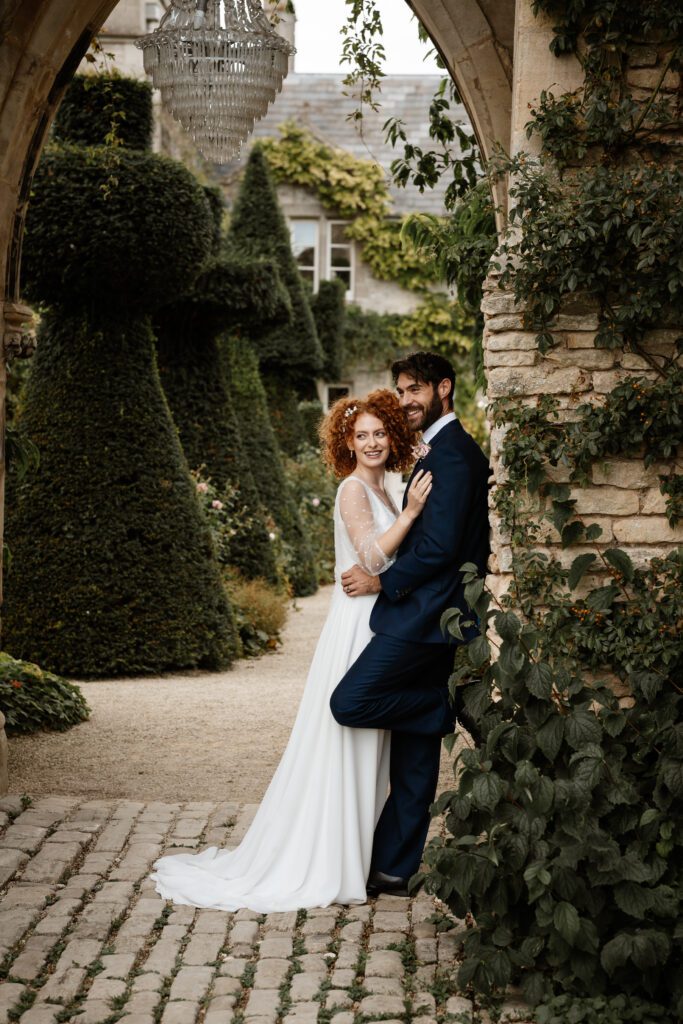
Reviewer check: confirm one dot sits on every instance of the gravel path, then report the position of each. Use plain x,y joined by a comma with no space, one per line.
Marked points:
198,736
216,736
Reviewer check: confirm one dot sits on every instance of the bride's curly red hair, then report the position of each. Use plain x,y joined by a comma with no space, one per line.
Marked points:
336,430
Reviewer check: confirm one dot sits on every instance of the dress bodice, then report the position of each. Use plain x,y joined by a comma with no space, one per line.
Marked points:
360,518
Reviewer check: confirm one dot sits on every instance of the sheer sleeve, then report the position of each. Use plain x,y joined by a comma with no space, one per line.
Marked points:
356,513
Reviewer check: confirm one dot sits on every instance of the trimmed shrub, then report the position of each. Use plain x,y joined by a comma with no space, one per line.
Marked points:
314,488
260,612
329,313
311,414
31,699
113,568
192,373
258,228
250,405
112,229
283,409
107,108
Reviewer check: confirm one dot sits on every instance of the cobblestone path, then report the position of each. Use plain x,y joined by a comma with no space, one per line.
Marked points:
84,937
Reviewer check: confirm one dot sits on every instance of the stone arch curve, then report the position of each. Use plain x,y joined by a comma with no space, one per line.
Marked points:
475,39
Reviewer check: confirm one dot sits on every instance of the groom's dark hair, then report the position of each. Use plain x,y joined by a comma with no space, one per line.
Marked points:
426,368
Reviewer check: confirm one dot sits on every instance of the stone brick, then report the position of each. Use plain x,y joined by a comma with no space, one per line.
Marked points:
318,925
614,501
499,302
653,503
566,322
382,940
605,381
315,962
384,964
271,973
50,863
306,986
377,986
579,339
536,381
343,977
504,322
424,1001
378,1006
642,56
202,949
280,922
275,946
305,1013
262,1002
492,358
244,933
353,930
183,1012
460,1005
107,988
11,861
338,998
63,984
648,78
227,987
23,837
149,982
10,993
390,921
647,530
425,950
31,960
512,341
191,983
318,943
233,967
162,958
117,965
630,473
15,921
142,1002
94,1011
586,358
41,1014
210,922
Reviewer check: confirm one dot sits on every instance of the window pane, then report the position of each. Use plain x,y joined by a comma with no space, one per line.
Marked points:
308,274
345,276
340,259
306,258
335,392
338,234
304,235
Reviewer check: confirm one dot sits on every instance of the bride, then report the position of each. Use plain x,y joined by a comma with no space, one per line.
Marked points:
310,842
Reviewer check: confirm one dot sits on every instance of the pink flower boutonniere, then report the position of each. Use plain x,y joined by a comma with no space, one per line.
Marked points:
421,450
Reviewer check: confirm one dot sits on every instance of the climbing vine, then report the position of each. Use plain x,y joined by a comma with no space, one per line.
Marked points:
563,832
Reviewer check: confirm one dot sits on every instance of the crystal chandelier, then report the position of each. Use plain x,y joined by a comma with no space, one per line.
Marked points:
218,64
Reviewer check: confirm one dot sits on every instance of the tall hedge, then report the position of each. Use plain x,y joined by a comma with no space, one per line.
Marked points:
250,404
258,228
113,569
329,313
97,109
226,293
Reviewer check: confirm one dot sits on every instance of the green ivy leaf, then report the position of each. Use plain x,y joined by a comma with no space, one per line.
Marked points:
539,680
507,625
566,920
578,568
550,735
572,533
487,790
621,562
582,727
635,900
478,651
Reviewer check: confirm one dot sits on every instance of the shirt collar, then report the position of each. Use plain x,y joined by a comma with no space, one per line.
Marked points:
431,432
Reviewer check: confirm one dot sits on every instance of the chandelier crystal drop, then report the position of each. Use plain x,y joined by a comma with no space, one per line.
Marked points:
218,64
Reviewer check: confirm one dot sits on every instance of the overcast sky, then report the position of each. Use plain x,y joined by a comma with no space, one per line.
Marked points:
319,40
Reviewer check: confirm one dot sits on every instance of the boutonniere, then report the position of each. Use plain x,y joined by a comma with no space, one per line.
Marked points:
421,450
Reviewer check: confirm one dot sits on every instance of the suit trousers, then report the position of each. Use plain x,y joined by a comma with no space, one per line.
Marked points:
401,686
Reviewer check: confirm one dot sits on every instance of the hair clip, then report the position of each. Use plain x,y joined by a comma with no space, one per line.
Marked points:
350,411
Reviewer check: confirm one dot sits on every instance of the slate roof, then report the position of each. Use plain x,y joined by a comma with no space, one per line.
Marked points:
317,102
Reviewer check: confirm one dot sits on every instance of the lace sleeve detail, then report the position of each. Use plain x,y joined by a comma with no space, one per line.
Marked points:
356,513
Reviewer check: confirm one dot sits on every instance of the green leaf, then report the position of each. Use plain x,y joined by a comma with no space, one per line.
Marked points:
633,899
478,651
621,562
550,735
487,790
507,625
602,598
578,567
593,532
572,533
473,591
582,727
616,952
566,920
539,680
450,622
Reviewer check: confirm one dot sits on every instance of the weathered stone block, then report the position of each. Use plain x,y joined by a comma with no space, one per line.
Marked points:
244,933
191,983
493,358
536,380
271,973
611,501
306,986
378,1006
512,341
647,530
648,78
384,963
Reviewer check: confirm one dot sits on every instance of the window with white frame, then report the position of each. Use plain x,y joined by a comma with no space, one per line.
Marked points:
340,255
333,392
152,16
305,244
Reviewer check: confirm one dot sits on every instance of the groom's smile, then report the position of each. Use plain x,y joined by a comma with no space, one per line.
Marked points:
420,402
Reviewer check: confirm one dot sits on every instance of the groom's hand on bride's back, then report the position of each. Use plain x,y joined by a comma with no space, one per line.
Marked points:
357,583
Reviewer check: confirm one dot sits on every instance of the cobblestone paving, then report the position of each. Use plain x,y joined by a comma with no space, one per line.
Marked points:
84,936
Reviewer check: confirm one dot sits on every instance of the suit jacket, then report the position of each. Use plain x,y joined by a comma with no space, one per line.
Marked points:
453,529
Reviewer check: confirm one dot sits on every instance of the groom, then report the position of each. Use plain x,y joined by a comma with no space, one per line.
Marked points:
400,681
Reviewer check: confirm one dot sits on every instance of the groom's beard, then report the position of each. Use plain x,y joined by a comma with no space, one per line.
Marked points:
430,414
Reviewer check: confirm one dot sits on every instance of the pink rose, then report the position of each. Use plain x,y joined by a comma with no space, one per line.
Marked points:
421,450
315,502
217,504
202,487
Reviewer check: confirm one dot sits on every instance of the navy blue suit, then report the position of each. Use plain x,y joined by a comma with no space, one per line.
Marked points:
400,681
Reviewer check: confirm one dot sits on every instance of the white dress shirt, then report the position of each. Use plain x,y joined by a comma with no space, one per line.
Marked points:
431,432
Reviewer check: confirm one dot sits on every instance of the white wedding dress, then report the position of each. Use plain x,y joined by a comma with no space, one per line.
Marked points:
310,842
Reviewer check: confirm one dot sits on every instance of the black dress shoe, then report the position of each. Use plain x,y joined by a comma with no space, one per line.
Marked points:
393,884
